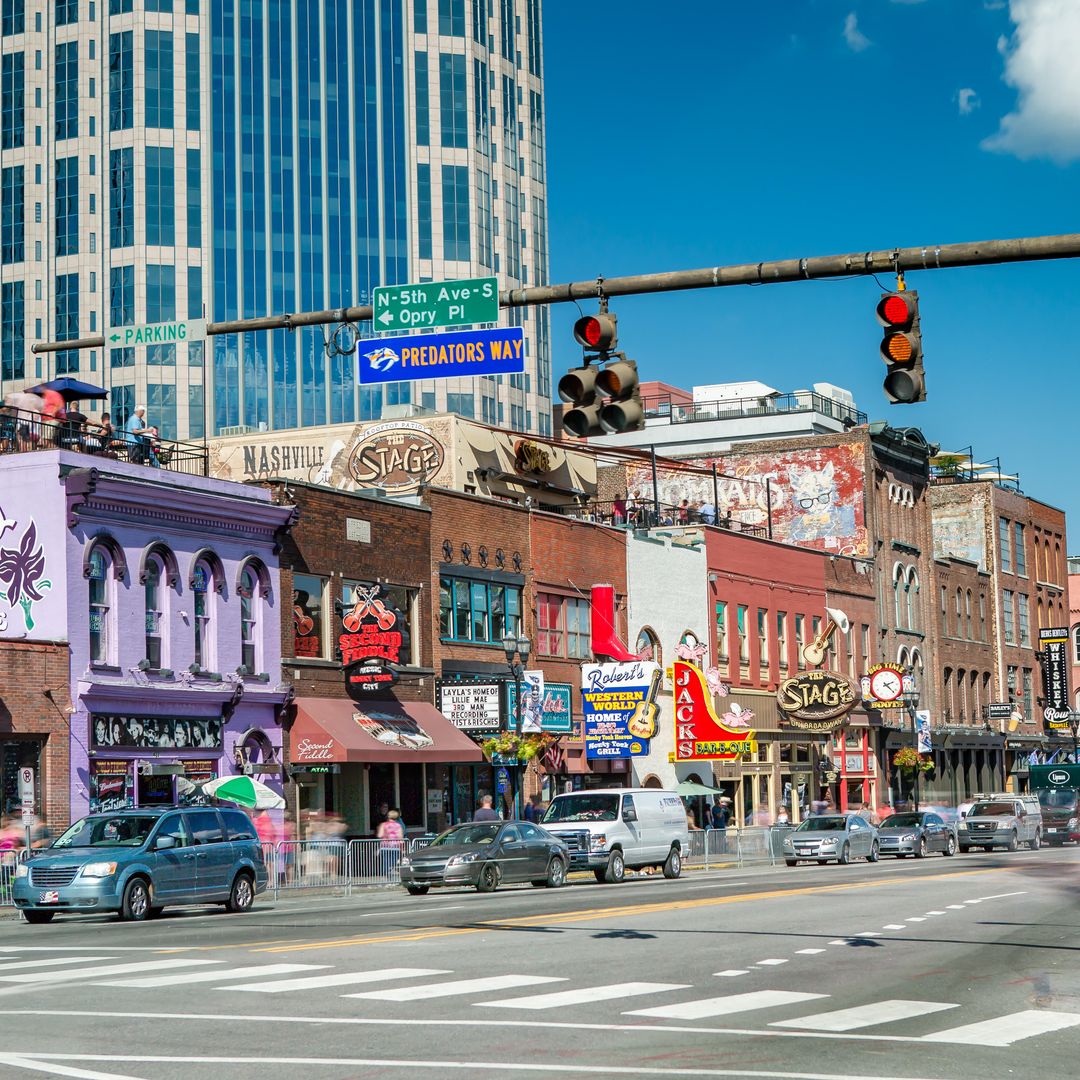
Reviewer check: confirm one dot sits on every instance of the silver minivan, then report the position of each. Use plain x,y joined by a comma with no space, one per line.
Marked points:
137,862
611,830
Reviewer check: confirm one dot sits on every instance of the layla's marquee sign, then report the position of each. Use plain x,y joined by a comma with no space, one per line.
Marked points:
817,700
700,735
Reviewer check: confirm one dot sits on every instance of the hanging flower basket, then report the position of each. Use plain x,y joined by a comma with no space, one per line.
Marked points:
511,745
910,761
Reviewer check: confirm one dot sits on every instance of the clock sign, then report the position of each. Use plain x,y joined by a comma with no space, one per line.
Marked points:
883,686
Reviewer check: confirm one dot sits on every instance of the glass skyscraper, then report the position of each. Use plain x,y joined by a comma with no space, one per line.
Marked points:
170,159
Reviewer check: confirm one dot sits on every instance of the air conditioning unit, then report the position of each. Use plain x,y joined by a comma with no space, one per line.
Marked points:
401,412
238,429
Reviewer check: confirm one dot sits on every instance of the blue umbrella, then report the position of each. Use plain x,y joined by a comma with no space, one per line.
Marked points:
71,389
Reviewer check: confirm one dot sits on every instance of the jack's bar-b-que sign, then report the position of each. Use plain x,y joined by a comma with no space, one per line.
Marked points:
817,700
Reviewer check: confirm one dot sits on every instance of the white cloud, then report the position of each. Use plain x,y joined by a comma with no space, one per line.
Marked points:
856,39
1040,64
967,100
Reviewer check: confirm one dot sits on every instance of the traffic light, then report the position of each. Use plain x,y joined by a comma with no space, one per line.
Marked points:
586,387
901,347
623,412
597,333
578,388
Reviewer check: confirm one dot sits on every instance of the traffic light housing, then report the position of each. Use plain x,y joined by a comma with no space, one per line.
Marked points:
613,377
901,347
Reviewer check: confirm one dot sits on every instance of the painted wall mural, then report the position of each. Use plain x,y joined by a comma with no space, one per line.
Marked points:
960,533
24,579
818,496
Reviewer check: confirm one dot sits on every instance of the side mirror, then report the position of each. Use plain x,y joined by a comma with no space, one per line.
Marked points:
629,814
163,843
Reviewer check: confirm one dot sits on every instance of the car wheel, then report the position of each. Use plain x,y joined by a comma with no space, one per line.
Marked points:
792,862
488,880
38,916
616,868
136,903
845,854
600,873
920,851
950,846
1036,842
875,854
1013,842
673,864
242,895
556,875
417,890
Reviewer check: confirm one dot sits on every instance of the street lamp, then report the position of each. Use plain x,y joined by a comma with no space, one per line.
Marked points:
911,700
517,648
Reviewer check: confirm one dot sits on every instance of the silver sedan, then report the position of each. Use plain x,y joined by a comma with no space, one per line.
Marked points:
916,834
825,837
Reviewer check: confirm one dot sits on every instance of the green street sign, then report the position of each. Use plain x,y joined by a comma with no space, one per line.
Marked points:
156,333
437,303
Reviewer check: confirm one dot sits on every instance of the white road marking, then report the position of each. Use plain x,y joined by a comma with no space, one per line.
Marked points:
840,941
730,973
972,901
770,963
82,948
340,978
935,913
894,926
868,933
458,986
916,918
53,962
724,1006
1005,1030
955,907
181,978
878,1012
108,969
35,1064
998,896
410,910
808,952
717,885
582,995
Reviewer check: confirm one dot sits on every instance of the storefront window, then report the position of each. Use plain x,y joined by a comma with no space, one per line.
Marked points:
99,606
111,786
15,755
309,633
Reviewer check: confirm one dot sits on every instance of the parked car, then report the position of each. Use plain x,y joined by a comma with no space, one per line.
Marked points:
609,831
916,834
487,854
137,862
1002,820
825,837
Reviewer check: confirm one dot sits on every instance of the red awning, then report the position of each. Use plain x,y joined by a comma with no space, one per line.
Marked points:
337,730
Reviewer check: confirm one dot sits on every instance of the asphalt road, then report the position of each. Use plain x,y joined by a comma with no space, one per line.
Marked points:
941,968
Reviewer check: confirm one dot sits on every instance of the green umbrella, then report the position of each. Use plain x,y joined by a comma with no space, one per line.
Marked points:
689,788
244,790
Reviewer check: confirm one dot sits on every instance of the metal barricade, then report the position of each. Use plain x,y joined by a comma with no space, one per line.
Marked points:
695,852
754,847
300,864
370,864
8,861
721,848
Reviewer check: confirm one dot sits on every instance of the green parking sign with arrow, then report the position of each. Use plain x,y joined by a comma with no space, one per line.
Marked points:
166,333
436,303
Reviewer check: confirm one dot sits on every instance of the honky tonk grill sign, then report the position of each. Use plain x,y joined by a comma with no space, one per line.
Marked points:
817,700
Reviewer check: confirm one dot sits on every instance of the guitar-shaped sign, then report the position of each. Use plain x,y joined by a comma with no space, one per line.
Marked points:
814,651
645,720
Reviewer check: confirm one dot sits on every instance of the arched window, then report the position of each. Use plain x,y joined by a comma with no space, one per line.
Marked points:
898,600
648,646
1076,643
100,606
249,600
967,614
203,598
959,613
947,682
912,589
982,616
153,604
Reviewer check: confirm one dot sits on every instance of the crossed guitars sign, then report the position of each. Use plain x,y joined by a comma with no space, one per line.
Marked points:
368,604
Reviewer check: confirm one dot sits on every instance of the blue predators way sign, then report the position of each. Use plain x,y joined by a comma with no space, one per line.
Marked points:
464,354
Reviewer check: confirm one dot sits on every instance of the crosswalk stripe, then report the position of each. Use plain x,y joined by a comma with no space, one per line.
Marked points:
583,995
108,969
180,978
458,986
341,978
1005,1030
54,961
722,1006
879,1012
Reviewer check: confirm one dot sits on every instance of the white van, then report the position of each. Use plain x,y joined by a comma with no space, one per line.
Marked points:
614,829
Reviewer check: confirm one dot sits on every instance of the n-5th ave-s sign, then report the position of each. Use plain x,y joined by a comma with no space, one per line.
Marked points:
436,303
464,354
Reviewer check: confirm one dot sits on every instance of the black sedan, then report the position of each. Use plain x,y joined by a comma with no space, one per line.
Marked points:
487,854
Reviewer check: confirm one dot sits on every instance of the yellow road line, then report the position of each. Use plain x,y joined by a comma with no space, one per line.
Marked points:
589,914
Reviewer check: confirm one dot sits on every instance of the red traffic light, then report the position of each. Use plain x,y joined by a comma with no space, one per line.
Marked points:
898,310
596,332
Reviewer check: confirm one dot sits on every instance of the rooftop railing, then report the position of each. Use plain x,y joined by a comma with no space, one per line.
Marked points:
25,432
650,515
693,412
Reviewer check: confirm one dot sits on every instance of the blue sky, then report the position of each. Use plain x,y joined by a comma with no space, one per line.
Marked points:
700,133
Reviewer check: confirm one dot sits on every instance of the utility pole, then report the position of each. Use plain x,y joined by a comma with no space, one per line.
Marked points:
813,268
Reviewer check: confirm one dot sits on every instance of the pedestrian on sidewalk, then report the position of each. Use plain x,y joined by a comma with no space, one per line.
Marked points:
486,813
391,835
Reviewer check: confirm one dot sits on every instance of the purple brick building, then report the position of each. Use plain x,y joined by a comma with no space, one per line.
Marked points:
165,588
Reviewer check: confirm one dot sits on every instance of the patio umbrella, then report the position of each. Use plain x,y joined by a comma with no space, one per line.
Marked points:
690,789
71,389
244,790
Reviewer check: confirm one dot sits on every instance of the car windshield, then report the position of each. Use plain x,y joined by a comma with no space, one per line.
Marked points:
583,807
992,809
105,831
823,824
902,821
1058,800
478,832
